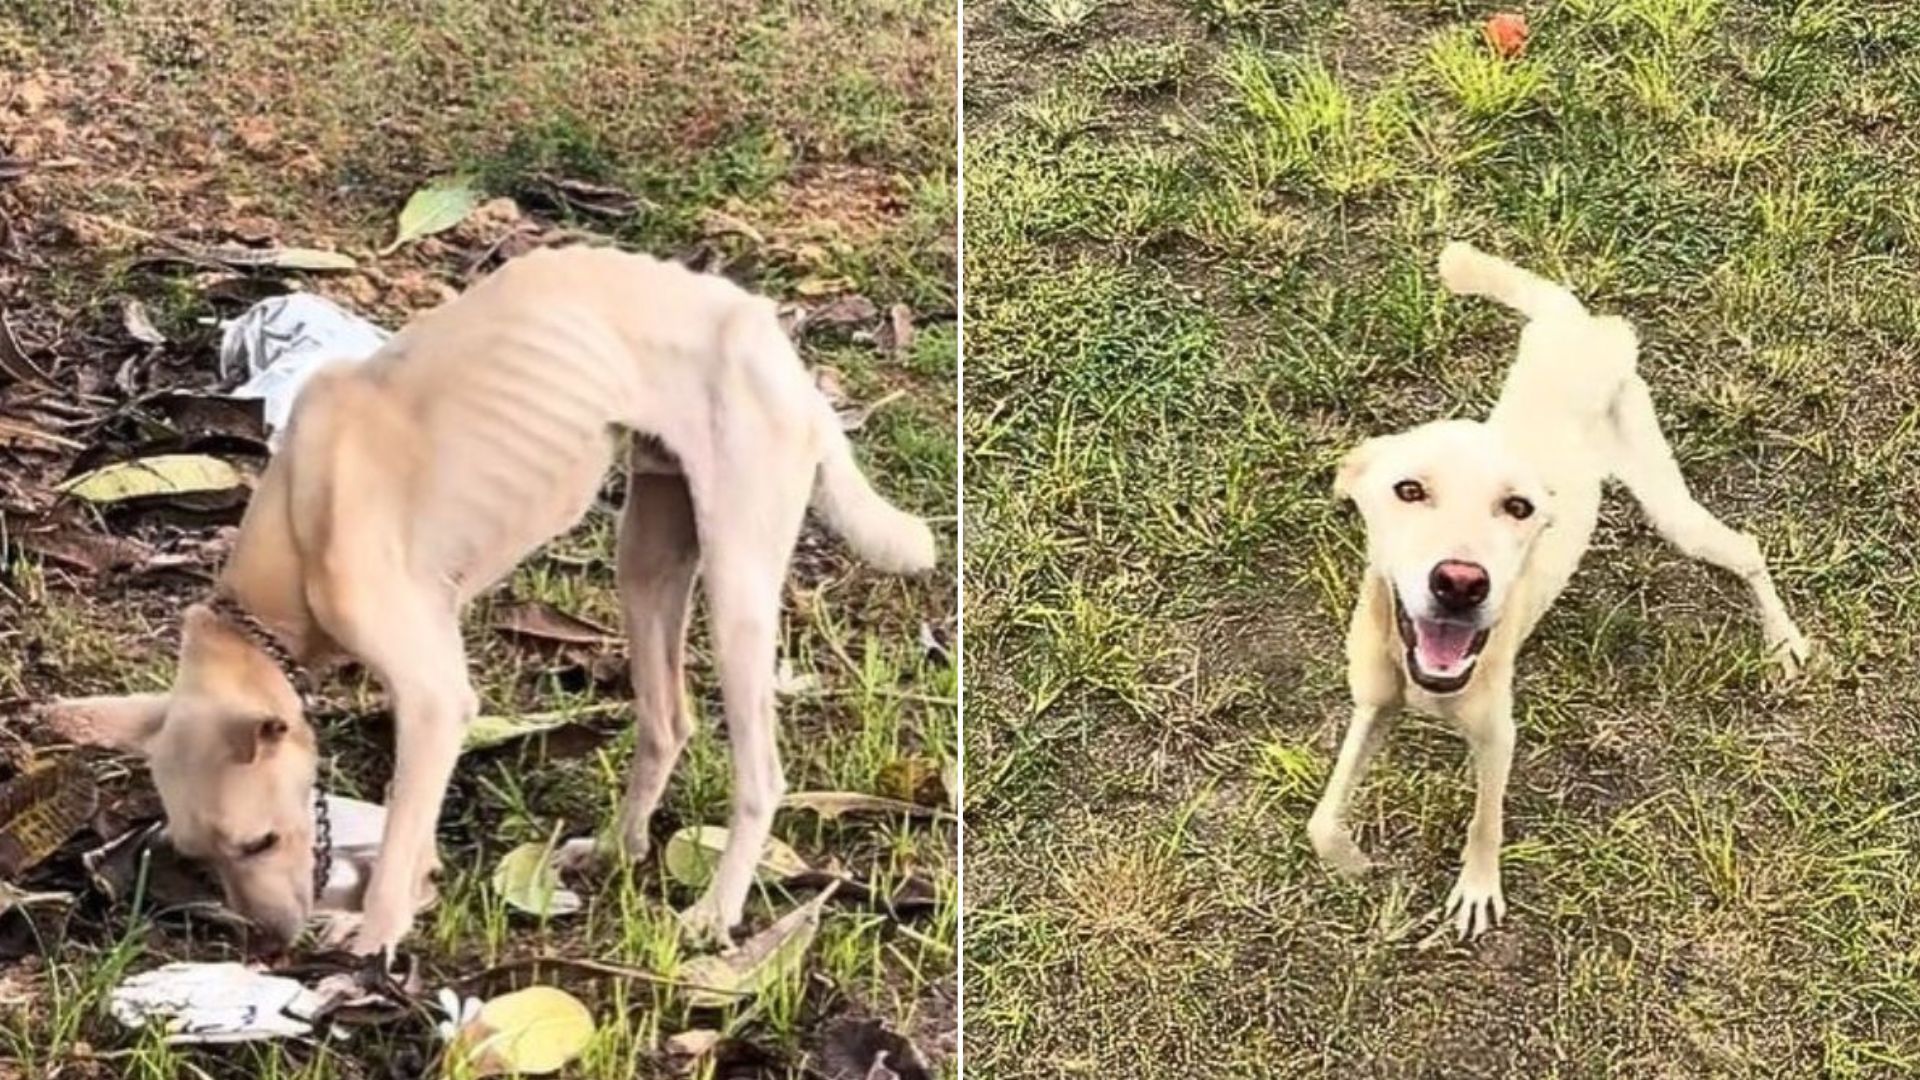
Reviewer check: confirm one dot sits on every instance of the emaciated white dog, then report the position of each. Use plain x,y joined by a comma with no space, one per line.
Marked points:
1474,528
412,482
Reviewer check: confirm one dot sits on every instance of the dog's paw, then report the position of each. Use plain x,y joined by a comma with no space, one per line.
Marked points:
1476,903
1333,842
333,929
584,855
705,926
375,936
1790,653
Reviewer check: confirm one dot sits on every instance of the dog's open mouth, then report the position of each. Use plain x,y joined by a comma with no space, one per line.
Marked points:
1440,653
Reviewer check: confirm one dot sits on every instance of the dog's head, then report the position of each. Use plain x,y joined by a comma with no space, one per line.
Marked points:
1451,513
234,761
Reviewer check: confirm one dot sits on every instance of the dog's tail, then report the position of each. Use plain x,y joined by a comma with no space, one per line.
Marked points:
882,533
1468,271
878,531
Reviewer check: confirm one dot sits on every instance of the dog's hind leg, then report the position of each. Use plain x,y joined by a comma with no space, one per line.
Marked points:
1647,467
749,518
659,556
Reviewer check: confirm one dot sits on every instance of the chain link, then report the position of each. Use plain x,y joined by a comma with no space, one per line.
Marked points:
263,639
322,840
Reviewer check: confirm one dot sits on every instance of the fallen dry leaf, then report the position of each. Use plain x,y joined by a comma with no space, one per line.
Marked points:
161,476
88,552
531,1032
834,804
542,621
694,852
760,962
40,810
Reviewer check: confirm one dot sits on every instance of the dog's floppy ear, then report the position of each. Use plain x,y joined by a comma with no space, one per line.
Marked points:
249,737
1347,478
120,722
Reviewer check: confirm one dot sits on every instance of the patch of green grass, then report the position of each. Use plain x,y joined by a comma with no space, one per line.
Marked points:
1185,303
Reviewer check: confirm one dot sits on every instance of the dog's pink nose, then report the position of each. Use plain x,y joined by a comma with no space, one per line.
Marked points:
1458,586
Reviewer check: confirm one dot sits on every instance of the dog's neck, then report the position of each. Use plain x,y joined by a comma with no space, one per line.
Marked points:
263,573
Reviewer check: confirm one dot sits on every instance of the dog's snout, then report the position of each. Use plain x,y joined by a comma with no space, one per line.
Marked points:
1457,585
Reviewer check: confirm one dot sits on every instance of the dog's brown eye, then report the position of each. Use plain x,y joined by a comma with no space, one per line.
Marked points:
260,846
1410,491
1519,508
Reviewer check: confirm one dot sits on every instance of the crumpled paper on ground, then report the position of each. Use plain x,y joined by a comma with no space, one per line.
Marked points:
216,1003
280,343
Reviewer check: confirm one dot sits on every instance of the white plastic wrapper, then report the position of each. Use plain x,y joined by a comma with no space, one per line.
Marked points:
216,1003
281,342
357,827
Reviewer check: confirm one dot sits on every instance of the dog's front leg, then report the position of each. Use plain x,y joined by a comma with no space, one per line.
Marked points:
425,675
1477,903
1327,828
427,746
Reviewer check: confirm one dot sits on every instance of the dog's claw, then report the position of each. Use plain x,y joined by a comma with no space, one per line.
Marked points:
1476,903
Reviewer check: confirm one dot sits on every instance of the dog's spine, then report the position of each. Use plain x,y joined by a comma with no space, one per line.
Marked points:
1467,271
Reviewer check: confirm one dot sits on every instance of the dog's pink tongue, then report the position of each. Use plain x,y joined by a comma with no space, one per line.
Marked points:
1442,647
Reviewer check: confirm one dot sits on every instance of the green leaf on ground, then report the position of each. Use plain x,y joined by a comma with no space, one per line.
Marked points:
166,474
432,210
526,879
531,1032
693,852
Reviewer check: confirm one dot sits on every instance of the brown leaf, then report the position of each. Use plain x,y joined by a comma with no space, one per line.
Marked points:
88,552
543,622
13,431
40,809
843,312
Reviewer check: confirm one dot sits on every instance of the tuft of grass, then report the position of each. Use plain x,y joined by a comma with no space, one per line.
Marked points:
1057,17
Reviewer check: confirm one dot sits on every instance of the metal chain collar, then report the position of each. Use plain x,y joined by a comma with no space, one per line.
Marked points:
263,639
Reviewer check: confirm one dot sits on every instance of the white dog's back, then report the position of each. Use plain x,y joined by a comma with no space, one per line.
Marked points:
517,386
1562,391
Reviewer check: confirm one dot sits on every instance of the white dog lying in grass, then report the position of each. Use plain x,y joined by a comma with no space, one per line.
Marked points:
1473,528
